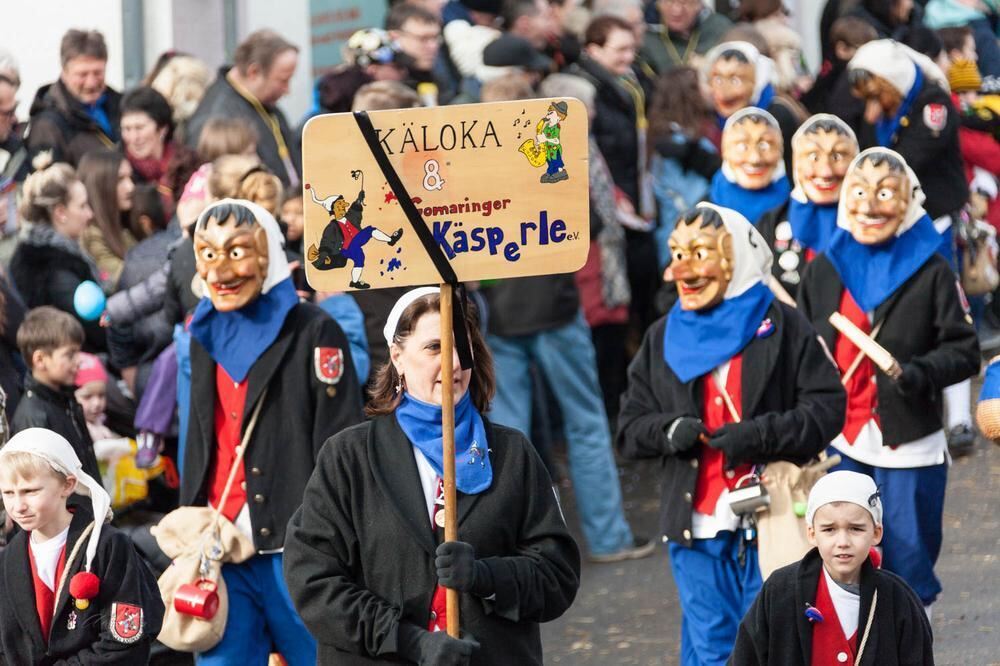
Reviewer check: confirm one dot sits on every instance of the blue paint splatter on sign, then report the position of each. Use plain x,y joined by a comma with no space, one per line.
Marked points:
394,264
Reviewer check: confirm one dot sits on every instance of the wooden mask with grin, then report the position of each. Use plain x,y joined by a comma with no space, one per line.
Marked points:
231,256
701,253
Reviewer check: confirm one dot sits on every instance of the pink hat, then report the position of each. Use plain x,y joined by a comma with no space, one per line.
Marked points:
90,370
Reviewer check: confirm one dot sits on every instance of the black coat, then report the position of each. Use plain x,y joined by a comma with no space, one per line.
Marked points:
125,579
614,125
359,558
925,324
48,275
900,632
933,155
791,391
786,251
222,101
59,123
299,414
44,407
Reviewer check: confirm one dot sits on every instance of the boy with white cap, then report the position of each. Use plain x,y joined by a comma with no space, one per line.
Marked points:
95,600
844,610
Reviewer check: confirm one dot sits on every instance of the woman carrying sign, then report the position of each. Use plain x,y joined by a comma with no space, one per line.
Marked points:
728,381
365,560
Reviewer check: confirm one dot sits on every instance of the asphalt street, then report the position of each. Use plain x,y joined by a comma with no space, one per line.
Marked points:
627,614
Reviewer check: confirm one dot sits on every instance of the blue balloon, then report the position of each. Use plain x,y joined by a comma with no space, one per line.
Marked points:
88,300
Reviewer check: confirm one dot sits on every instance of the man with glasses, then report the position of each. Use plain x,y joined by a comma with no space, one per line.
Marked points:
417,34
687,29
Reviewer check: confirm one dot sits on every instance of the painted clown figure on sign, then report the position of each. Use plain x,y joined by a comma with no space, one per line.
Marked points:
253,342
344,238
549,138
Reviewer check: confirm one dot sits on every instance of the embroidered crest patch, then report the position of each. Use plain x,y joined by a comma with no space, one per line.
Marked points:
328,364
936,116
126,622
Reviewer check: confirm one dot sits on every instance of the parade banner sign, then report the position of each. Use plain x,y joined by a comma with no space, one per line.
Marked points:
502,188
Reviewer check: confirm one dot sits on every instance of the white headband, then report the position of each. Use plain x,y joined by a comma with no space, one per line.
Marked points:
59,454
389,331
844,486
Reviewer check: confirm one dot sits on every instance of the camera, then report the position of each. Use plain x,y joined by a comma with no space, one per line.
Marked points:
749,499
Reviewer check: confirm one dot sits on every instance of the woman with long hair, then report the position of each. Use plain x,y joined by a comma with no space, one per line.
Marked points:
107,176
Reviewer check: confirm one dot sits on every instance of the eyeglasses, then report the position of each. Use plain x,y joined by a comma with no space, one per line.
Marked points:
682,3
424,39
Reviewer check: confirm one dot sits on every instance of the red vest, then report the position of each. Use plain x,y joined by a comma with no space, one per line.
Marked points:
230,399
349,231
439,605
45,599
862,391
829,645
712,476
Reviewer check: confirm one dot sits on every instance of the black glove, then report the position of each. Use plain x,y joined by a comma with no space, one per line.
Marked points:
684,434
458,569
912,381
434,648
740,442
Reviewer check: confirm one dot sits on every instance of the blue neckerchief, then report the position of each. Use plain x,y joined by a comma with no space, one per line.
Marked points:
812,224
695,342
873,273
750,203
99,115
235,340
886,128
421,422
763,101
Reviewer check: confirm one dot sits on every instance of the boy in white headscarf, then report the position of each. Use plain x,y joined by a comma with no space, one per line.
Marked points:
843,608
728,381
74,589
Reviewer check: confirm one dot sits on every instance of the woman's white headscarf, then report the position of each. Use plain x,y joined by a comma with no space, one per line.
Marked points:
764,69
392,321
277,263
806,128
915,209
894,62
752,257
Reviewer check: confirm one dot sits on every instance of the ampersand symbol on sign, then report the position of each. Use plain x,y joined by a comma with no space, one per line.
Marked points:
432,177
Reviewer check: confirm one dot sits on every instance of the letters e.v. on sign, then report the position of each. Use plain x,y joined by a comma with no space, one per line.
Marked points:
502,187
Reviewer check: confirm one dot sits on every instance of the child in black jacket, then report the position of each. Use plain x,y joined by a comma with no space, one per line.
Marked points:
843,609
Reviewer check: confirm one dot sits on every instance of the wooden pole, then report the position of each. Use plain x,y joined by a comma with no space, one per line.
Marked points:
448,442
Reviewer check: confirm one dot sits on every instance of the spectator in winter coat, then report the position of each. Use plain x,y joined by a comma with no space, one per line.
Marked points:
687,28
262,67
831,93
78,112
49,264
108,178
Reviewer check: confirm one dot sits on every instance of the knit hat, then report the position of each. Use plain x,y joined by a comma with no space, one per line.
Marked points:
59,454
963,76
91,370
844,486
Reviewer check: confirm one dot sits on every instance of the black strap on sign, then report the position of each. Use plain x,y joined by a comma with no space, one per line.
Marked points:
440,261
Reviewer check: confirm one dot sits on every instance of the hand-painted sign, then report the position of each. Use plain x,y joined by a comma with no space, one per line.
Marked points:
503,189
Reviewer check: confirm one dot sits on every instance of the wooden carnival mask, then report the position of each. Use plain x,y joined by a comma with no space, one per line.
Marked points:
881,97
231,255
820,158
876,197
731,81
752,148
701,262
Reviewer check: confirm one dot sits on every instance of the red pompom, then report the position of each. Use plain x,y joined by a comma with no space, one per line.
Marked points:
308,186
84,585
